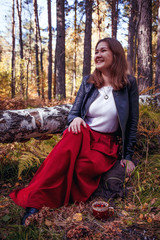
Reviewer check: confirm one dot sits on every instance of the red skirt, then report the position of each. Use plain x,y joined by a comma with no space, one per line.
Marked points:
71,172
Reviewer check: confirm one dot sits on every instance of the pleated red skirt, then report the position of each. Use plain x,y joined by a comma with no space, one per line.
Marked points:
71,172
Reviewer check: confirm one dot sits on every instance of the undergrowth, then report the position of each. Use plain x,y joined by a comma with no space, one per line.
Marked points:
19,162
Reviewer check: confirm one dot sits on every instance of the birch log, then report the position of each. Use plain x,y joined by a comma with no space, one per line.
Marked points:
21,125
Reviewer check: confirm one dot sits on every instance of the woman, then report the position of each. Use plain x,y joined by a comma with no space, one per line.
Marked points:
106,104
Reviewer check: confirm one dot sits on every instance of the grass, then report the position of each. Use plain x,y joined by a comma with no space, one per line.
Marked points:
136,217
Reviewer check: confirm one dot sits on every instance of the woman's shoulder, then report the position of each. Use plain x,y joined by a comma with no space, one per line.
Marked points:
131,79
131,82
86,83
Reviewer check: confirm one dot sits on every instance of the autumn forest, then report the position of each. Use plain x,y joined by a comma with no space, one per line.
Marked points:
52,65
41,69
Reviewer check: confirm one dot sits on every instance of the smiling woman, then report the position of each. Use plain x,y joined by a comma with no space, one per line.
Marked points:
103,60
106,105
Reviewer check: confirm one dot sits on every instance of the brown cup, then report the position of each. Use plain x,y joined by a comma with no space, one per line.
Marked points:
101,210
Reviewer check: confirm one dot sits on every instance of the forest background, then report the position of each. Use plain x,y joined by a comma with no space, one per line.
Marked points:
49,61
42,65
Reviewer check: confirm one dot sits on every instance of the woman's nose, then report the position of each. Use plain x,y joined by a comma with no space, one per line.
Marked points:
98,54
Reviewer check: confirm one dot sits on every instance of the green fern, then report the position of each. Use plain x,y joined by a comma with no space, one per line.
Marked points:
34,152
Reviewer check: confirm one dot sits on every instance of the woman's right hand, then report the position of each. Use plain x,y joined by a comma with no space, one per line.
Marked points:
75,125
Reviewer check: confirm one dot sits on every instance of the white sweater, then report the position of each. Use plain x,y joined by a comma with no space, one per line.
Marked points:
102,113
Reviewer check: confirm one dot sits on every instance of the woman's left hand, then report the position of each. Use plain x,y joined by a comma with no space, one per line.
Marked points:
129,166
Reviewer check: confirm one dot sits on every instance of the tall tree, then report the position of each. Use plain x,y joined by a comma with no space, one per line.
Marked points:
41,57
75,50
114,7
157,82
132,35
36,46
87,38
13,51
145,44
19,10
99,20
49,51
60,51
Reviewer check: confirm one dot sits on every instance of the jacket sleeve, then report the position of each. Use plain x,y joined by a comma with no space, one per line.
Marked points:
132,123
76,108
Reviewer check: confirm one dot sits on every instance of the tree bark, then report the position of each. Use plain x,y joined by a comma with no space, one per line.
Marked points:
114,18
13,91
21,125
87,39
60,51
157,82
132,35
49,52
73,89
36,46
41,57
19,10
145,44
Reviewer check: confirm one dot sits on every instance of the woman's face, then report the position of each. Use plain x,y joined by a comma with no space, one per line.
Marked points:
103,57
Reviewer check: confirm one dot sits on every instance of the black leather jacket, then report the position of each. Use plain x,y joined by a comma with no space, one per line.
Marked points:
127,104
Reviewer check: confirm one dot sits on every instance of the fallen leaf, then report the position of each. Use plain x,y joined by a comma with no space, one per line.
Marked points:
153,201
149,219
141,216
48,223
124,213
17,184
145,206
157,217
2,206
77,217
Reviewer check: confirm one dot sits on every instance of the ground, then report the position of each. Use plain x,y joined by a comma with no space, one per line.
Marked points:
77,221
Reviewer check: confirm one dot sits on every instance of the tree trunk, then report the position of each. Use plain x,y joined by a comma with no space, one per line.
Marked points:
157,82
36,47
41,58
131,35
49,52
13,51
87,39
114,18
99,20
19,10
21,125
60,51
145,44
75,51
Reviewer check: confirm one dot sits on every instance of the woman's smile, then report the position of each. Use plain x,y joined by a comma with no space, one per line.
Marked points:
103,57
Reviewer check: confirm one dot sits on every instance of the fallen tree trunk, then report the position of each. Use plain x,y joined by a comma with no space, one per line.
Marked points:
21,125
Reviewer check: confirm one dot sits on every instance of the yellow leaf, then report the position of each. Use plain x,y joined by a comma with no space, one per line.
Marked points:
48,223
17,184
77,217
2,206
141,216
145,206
149,219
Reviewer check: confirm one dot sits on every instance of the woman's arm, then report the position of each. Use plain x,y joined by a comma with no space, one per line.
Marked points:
132,123
76,109
131,128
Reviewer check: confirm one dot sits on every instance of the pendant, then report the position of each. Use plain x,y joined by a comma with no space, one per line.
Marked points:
106,97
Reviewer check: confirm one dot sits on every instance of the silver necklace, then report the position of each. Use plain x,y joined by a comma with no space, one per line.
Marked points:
106,96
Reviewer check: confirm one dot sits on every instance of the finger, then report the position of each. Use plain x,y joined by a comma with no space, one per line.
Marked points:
84,124
79,128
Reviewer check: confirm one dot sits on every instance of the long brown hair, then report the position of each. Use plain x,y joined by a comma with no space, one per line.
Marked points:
118,69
